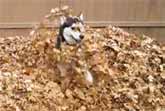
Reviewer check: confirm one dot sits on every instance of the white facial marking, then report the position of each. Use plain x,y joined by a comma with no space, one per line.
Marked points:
73,25
71,36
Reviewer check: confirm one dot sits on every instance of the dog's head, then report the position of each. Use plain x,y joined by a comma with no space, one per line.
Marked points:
72,29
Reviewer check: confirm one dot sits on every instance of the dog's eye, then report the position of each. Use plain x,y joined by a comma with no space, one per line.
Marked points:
79,29
73,28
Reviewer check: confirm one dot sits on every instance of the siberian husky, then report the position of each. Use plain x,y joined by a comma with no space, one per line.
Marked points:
71,30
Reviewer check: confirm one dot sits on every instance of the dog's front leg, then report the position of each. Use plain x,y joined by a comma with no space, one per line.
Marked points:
58,42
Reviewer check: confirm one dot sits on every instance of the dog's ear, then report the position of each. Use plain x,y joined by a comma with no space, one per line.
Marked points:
62,20
81,16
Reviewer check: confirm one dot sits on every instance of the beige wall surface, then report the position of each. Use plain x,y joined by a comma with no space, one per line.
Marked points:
138,16
23,13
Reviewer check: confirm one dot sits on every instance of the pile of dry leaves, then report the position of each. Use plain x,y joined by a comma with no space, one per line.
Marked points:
110,70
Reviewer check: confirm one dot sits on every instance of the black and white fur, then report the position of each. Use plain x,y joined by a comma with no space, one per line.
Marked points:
71,30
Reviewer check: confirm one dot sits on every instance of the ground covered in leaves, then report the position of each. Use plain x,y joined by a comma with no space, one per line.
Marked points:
110,70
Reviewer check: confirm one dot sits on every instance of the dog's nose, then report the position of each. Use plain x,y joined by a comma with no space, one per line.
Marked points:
81,36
